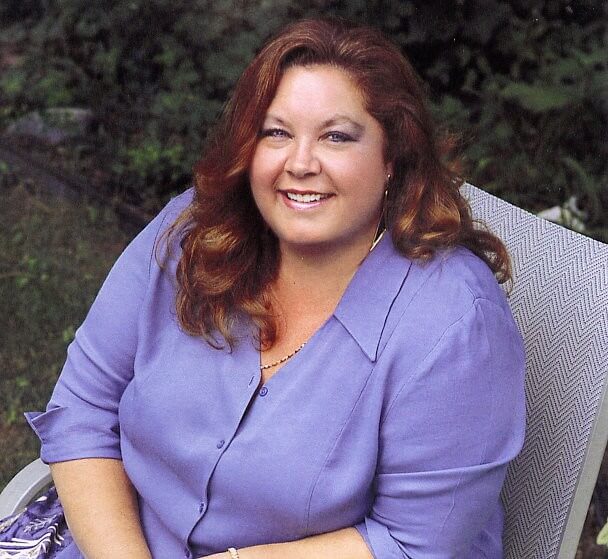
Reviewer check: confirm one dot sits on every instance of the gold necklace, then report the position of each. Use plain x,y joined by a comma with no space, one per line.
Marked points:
282,360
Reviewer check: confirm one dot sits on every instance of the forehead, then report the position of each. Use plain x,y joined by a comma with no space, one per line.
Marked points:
318,89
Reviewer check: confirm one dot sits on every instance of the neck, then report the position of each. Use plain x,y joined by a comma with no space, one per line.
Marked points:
315,278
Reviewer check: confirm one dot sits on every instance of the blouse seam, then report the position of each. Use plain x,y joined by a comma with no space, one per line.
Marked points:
333,447
492,406
452,505
382,344
449,328
145,291
444,259
423,360
480,550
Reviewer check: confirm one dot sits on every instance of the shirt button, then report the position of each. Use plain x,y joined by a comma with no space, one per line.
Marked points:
263,391
221,443
201,507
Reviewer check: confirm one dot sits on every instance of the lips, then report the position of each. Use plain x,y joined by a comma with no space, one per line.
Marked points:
305,197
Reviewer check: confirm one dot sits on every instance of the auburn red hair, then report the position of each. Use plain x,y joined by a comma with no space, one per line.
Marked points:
229,257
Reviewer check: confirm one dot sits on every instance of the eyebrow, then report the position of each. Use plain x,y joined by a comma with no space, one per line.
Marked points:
336,119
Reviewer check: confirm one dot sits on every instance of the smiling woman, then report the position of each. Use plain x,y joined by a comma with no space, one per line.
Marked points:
263,374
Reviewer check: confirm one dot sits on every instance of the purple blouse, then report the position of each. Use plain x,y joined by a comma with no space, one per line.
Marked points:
398,417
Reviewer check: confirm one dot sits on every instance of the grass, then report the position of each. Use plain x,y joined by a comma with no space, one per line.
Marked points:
55,254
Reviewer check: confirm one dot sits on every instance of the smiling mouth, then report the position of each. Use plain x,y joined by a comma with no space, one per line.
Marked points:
306,198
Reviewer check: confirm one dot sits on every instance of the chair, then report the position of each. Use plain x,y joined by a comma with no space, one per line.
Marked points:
560,301
24,488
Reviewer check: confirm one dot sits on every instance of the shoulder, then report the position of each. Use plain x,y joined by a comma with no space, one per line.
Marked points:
167,215
453,290
454,280
414,301
151,241
161,225
175,208
182,201
450,327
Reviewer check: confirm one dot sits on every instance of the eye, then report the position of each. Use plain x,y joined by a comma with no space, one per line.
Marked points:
276,133
339,137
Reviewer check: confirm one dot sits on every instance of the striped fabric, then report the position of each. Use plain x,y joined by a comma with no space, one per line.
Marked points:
560,301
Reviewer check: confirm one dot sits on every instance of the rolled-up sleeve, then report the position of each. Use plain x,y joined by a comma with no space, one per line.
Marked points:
446,440
81,419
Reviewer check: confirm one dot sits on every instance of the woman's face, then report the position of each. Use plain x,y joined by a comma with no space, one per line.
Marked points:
318,173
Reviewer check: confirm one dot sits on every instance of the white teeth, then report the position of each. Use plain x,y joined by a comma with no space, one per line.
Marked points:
305,198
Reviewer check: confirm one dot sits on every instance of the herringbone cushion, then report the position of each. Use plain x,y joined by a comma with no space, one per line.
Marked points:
560,301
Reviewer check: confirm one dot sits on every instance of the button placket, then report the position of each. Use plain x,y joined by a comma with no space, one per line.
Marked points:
247,391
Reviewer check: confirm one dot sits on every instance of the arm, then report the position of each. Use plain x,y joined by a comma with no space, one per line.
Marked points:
101,508
446,439
341,544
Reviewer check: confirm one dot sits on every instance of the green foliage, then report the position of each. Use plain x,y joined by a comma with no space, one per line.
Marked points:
12,83
52,89
525,83
536,99
527,86
602,537
156,73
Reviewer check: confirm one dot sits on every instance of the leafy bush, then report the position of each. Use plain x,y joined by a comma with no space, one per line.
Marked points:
534,98
524,82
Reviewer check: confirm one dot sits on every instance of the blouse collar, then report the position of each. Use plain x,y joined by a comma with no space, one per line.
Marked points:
365,305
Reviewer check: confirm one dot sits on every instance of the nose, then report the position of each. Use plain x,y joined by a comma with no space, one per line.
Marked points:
302,160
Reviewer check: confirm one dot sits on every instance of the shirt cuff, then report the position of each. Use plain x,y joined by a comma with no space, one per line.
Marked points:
64,435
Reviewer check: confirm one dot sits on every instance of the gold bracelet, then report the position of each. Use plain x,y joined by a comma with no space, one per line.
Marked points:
234,554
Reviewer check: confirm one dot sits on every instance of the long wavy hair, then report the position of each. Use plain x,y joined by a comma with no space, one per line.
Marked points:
230,259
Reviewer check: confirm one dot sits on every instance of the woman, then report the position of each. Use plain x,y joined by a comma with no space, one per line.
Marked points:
264,373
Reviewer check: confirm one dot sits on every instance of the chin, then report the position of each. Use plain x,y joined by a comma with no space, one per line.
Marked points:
315,244
303,243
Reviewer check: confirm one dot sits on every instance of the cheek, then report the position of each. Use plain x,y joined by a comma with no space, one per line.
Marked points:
370,181
363,177
261,183
263,173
